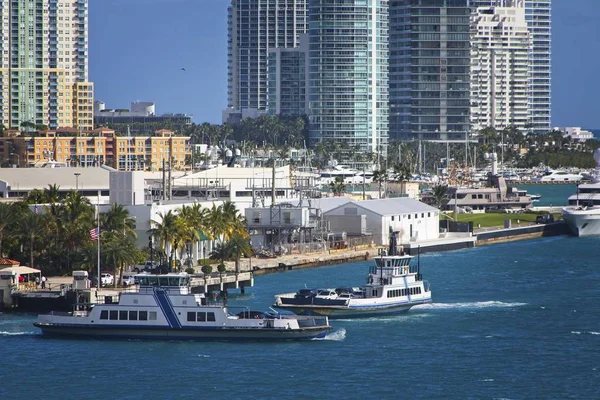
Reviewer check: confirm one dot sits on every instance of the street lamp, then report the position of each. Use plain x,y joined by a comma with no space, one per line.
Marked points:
18,158
77,174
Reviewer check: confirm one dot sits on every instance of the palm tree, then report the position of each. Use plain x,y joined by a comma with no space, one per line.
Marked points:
338,187
440,193
117,219
380,176
167,232
8,216
240,246
32,227
221,252
119,252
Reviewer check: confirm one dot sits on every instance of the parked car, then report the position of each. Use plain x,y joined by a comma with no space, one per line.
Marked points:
128,279
544,219
107,279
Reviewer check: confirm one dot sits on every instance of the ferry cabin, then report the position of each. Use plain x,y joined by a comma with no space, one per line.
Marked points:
393,271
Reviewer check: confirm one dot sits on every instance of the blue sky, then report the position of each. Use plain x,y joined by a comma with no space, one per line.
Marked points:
138,47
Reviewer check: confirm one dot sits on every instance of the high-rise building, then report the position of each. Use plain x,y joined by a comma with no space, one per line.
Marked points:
538,14
44,64
348,77
499,68
429,69
254,27
288,80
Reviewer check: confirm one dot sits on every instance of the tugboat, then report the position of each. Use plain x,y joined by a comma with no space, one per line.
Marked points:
163,307
393,286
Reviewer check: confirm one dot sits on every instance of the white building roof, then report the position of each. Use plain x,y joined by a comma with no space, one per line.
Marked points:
39,178
324,203
394,206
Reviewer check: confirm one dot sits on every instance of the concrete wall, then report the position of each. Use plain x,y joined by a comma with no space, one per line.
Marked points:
353,225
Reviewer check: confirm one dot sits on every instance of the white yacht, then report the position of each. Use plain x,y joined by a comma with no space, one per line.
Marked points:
329,174
393,286
559,176
582,213
163,307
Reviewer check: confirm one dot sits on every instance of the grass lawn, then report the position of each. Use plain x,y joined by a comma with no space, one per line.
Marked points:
496,219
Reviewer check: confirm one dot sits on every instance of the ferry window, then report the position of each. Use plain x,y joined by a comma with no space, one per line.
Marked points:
153,280
416,216
152,316
184,302
104,314
422,215
201,317
123,315
174,281
480,196
114,314
191,317
392,217
473,196
409,216
210,316
163,281
429,214
133,315
143,315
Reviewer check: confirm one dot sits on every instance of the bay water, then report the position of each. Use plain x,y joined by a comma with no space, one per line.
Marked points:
518,320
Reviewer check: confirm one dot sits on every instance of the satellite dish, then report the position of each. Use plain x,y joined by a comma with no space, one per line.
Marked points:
486,156
597,156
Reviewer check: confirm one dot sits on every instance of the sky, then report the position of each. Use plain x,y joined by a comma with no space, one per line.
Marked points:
138,47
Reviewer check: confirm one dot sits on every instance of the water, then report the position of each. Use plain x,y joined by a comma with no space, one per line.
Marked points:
552,195
512,321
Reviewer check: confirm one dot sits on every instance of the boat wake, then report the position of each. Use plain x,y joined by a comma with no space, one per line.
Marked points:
7,333
473,305
337,335
588,332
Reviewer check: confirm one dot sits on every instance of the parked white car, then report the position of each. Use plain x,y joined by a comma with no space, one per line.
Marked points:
107,279
128,279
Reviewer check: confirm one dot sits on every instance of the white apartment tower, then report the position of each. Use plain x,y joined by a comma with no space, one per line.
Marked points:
500,42
538,14
44,64
254,27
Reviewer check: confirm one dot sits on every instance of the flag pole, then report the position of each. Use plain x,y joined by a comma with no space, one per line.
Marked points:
98,231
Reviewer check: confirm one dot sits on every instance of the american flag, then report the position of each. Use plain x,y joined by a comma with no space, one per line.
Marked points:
94,233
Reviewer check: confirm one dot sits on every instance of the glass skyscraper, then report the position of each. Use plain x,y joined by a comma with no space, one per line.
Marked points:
429,69
44,64
348,73
288,80
538,14
254,27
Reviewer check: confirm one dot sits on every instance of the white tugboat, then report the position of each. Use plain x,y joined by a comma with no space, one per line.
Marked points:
393,286
164,308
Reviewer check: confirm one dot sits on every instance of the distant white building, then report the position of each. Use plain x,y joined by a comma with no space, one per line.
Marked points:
576,133
415,221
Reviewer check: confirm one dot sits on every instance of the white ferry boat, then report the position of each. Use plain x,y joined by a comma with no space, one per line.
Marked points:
163,307
393,286
559,176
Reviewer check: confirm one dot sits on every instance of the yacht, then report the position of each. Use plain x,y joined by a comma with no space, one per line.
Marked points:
329,174
393,285
582,212
559,176
163,307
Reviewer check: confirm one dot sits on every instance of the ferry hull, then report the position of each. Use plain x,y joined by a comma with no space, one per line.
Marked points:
165,333
334,312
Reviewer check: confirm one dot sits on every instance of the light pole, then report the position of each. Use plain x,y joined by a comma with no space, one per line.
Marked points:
18,158
77,174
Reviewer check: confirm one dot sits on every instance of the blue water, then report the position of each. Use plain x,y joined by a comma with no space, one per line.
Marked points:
552,195
513,321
